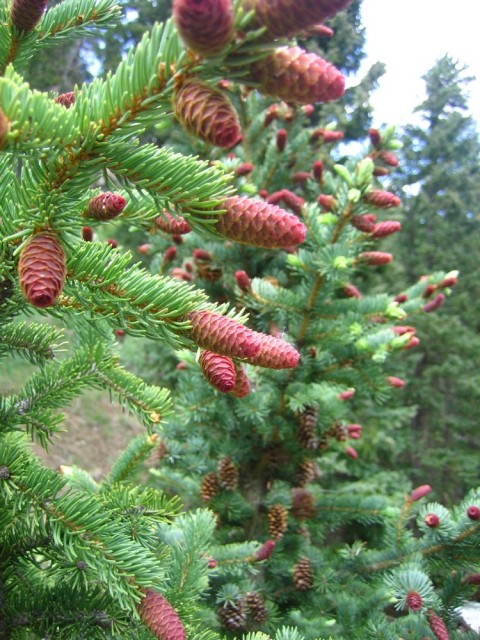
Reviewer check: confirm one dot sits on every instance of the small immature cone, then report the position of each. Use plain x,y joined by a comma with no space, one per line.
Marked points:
386,228
227,474
382,199
282,138
429,289
242,383
351,452
207,113
298,77
351,291
66,99
243,281
42,269
326,136
160,617
244,169
375,137
265,550
170,254
318,170
233,615
434,304
346,395
169,224
419,492
105,206
365,223
87,234
437,625
375,258
393,381
414,601
223,335
292,201
283,18
209,486
303,575
327,202
473,512
432,520
218,370
275,197
201,254
277,521
275,353
25,14
260,224
205,26
388,158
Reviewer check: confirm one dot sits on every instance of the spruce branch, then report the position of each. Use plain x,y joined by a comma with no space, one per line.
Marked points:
35,342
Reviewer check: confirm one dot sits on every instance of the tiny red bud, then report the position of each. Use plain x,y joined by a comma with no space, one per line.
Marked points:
144,248
308,110
375,258
292,201
402,297
181,366
434,304
327,202
473,513
401,330
346,395
432,520
414,342
188,266
321,31
87,234
170,254
120,333
365,223
201,254
447,282
388,158
112,242
379,172
181,274
263,193
275,197
318,170
375,137
271,114
351,291
282,137
212,563
301,176
244,169
243,281
354,428
177,238
393,381
429,289
353,453
386,228
419,492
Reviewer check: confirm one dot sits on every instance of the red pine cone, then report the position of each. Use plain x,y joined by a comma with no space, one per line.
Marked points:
388,158
242,383
299,77
25,14
87,234
326,136
275,353
437,625
414,601
105,206
375,258
260,224
206,26
282,138
473,512
218,370
243,281
351,291
375,137
223,335
432,520
383,199
351,452
301,176
42,269
393,381
265,550
292,201
66,99
419,492
169,224
318,170
434,303
365,223
244,169
386,228
207,113
327,202
283,18
160,617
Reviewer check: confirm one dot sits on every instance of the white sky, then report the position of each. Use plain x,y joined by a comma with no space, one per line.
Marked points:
409,36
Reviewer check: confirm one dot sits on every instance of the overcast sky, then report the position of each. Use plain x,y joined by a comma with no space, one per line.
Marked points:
409,36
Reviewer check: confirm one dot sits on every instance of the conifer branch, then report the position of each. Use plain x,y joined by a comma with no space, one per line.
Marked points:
36,342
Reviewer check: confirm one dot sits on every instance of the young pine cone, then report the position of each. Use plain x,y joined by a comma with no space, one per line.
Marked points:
160,617
218,370
303,575
206,26
209,486
223,335
242,383
227,474
256,607
307,428
232,615
105,206
277,521
175,225
42,269
25,14
437,625
275,353
306,472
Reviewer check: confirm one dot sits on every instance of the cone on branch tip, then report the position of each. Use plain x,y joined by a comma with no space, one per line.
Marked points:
105,206
243,281
296,76
434,304
87,234
473,512
284,18
303,575
205,26
26,14
277,521
260,224
265,551
218,370
437,625
209,486
351,291
385,228
67,100
393,381
175,225
432,520
382,199
42,269
364,223
419,492
223,335
207,113
414,601
375,258
160,617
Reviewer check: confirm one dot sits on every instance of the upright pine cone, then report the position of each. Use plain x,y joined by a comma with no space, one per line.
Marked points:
25,14
105,206
277,521
256,607
223,335
242,383
218,370
260,224
160,617
169,224
42,269
414,600
207,113
437,625
275,353
303,575
284,18
232,615
206,26
306,472
227,474
296,76
307,428
209,486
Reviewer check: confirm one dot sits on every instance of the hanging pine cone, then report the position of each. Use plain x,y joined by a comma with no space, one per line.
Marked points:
383,199
277,521
303,575
160,617
105,206
260,224
218,370
209,486
306,472
232,615
275,353
206,26
298,77
42,269
256,607
437,625
285,18
227,474
25,14
303,504
207,113
307,428
242,383
169,224
223,335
